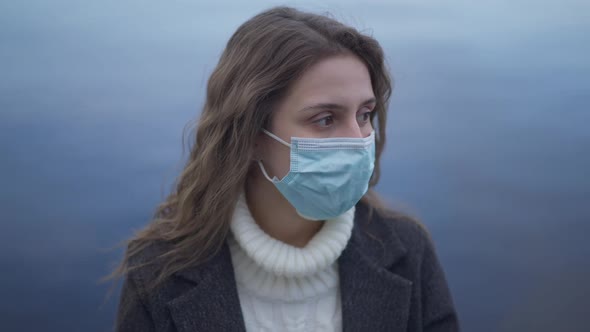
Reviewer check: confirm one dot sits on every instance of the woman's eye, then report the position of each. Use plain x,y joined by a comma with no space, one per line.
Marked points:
325,121
365,117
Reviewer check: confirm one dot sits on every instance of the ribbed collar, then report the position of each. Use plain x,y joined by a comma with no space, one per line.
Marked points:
282,259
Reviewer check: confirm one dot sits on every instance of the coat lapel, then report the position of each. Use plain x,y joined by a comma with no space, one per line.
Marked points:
373,298
212,304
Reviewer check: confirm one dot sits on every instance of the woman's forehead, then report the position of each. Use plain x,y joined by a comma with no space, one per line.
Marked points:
338,80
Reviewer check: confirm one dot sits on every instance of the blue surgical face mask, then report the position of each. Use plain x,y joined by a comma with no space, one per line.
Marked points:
327,176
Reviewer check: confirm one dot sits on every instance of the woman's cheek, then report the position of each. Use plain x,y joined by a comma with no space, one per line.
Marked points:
277,158
282,160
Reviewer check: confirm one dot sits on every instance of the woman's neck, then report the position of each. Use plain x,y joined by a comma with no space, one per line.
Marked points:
275,215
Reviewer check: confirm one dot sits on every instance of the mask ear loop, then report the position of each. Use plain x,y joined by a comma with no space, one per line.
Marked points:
260,162
280,140
264,171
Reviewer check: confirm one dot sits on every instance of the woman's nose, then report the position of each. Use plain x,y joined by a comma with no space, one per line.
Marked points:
351,129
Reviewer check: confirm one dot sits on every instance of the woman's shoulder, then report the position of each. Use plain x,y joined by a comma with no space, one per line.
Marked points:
144,261
410,230
393,235
394,223
159,264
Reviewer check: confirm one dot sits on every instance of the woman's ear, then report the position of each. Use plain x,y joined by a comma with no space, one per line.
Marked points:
257,155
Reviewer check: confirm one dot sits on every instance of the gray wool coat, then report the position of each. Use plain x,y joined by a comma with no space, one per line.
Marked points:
390,280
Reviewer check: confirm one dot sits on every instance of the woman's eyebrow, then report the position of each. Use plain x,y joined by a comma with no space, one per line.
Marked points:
333,106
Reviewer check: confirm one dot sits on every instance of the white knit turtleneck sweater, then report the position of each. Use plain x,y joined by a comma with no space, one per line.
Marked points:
283,287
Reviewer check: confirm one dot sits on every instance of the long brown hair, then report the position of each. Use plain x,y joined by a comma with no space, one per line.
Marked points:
261,60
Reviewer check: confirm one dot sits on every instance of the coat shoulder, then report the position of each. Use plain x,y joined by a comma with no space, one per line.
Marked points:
420,264
145,263
409,231
413,234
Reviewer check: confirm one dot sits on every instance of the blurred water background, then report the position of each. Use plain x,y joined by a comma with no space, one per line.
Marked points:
488,144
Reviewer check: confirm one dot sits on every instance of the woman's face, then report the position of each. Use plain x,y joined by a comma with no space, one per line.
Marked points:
333,98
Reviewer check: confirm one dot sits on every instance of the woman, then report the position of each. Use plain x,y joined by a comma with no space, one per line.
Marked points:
273,224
